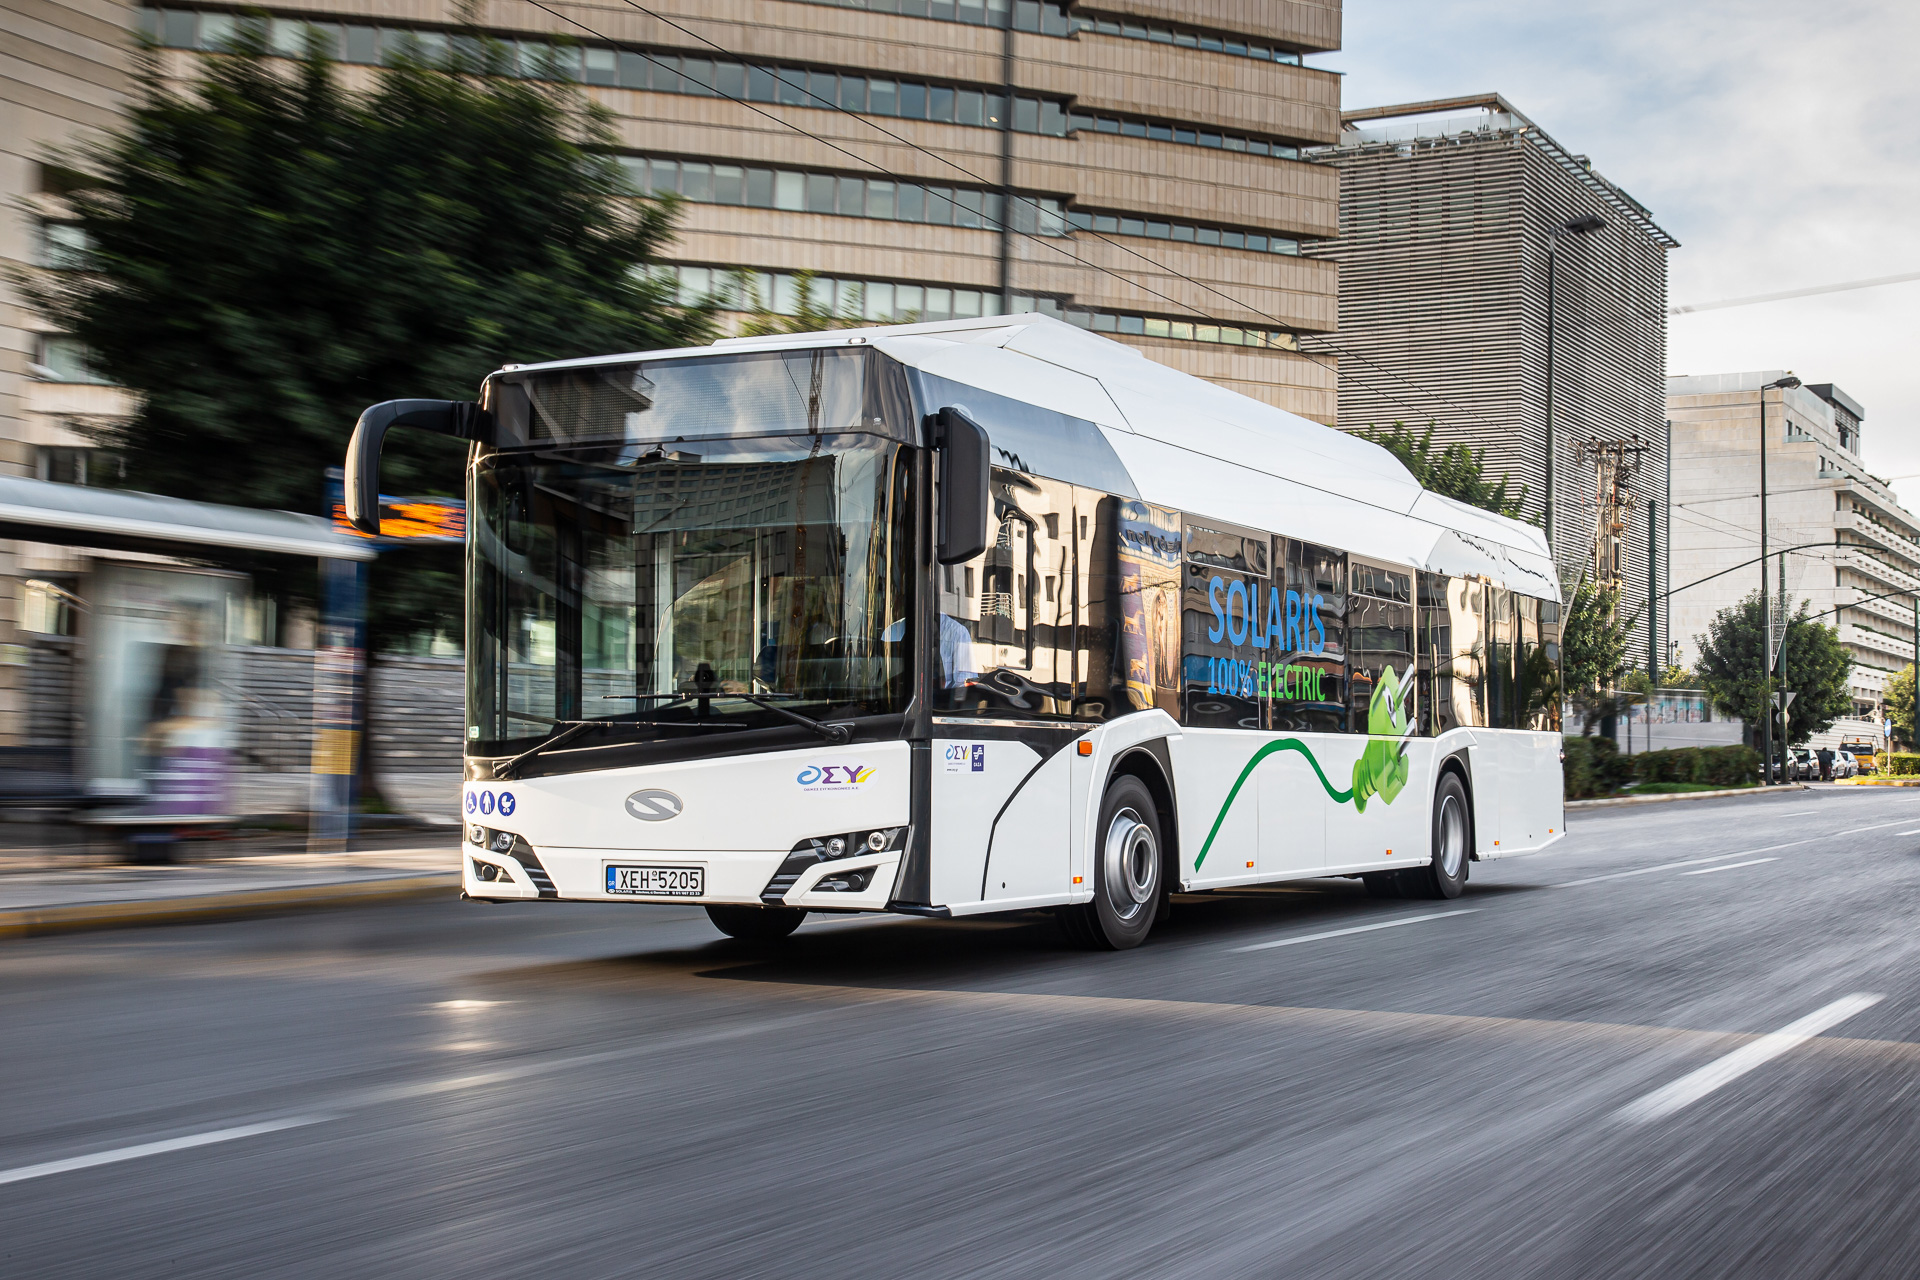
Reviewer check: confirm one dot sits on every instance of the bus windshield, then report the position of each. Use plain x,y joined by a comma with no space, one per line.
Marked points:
639,586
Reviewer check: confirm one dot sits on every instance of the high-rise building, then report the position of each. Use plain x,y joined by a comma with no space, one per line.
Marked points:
1133,166
1465,230
1838,539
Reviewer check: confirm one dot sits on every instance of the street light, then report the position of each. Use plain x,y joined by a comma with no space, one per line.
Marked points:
1581,226
1766,619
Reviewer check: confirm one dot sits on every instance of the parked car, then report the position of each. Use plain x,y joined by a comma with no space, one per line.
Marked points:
1802,766
1844,765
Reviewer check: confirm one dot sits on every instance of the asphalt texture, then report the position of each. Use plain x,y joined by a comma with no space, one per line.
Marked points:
1572,1070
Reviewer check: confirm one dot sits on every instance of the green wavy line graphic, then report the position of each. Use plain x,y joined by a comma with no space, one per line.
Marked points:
1283,744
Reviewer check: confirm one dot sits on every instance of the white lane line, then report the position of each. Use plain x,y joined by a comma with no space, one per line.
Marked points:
1359,928
1878,826
1707,871
1675,866
1695,1085
24,1172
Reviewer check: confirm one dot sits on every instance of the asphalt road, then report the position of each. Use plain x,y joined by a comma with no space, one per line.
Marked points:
1573,1070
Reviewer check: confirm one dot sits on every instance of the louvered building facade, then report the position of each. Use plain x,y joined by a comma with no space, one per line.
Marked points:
1448,213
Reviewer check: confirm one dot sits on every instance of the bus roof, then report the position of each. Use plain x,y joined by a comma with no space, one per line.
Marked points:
1200,448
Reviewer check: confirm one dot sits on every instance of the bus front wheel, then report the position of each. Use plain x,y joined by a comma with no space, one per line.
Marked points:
1127,881
755,924
1445,875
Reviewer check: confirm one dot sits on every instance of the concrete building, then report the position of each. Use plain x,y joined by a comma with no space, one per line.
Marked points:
1848,547
1454,218
1132,165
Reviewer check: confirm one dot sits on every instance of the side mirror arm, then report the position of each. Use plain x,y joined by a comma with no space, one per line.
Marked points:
966,462
462,419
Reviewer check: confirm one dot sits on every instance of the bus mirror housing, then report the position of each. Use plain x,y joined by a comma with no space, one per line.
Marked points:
462,419
965,462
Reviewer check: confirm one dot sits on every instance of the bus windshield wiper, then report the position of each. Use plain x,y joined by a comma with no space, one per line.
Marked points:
835,733
576,728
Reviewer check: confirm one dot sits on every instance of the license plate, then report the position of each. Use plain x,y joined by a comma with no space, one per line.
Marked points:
671,882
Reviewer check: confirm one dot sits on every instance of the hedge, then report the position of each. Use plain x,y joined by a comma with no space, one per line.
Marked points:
1595,767
1900,764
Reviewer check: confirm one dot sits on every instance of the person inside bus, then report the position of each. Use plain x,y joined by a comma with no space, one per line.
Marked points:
956,650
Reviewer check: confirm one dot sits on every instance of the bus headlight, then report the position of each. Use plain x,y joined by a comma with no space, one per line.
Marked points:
818,849
490,840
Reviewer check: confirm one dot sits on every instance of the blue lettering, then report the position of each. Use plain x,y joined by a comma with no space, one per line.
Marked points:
1253,616
1276,621
1320,642
1237,636
1219,627
1293,622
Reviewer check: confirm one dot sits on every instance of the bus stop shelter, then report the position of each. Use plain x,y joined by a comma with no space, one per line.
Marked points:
158,733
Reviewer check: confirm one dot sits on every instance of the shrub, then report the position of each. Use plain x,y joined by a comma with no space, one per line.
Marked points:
1595,767
1900,764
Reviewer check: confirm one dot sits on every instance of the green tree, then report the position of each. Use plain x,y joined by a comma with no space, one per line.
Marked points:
1817,669
1593,643
1455,471
1898,700
272,253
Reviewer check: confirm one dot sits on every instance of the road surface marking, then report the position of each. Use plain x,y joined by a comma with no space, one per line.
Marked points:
1707,871
1878,826
24,1172
1675,866
1359,928
1914,832
1695,1085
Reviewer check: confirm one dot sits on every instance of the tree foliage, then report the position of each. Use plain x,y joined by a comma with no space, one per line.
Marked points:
1898,700
1816,668
1593,642
272,253
1455,471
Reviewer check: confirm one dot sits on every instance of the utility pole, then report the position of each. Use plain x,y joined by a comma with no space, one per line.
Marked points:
1766,618
1006,163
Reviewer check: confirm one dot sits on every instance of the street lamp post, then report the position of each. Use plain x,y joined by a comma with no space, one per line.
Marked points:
1573,226
1766,618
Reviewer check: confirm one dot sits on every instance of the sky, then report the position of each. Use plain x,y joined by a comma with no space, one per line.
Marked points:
1779,143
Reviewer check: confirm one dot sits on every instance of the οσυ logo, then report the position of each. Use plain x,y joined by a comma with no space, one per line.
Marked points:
654,805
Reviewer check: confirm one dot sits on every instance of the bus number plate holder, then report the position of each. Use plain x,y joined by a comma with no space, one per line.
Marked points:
660,882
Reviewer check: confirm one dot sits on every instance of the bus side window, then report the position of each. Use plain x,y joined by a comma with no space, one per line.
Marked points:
1503,635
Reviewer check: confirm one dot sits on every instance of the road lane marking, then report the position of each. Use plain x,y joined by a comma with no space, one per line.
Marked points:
1707,871
49,1167
1359,928
1675,866
1879,826
1695,1085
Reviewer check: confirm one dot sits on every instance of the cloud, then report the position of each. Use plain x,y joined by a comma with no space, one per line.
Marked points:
1775,141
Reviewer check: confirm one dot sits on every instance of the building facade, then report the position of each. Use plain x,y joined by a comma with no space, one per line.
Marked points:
1454,249
1839,540
1134,166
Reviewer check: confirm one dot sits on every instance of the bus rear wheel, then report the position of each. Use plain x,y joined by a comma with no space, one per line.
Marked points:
755,924
1127,882
1446,875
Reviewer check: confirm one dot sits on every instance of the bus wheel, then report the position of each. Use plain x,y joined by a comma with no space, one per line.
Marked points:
1127,882
1446,875
756,924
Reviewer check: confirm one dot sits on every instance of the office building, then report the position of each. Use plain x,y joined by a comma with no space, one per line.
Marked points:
1839,540
1462,224
1143,158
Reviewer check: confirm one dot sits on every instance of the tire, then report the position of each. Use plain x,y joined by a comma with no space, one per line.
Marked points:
756,924
1446,874
1129,873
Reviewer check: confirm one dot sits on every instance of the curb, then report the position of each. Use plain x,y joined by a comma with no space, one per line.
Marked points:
1614,801
215,906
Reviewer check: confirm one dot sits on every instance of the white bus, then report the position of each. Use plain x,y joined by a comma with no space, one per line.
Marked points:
969,617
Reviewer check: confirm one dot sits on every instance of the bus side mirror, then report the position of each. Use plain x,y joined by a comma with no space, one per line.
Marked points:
964,502
460,418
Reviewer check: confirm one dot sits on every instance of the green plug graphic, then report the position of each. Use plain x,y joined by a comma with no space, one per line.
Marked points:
1382,768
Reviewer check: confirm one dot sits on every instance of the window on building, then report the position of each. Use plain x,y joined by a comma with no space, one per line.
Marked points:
65,359
65,246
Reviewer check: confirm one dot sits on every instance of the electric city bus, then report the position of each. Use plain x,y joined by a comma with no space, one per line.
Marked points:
968,617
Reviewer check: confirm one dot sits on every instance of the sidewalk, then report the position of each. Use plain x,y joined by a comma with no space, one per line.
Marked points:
41,899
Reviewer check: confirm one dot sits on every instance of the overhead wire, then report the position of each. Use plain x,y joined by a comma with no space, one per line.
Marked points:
1046,241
